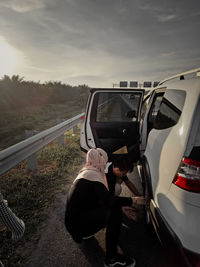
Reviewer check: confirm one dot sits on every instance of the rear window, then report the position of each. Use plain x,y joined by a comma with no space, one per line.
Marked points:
170,109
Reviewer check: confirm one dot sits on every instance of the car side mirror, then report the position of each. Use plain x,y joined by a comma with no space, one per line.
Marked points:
131,114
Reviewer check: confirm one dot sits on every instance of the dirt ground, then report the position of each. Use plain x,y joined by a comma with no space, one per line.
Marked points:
55,247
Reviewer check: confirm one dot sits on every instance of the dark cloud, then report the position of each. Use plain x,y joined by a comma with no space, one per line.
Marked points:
94,40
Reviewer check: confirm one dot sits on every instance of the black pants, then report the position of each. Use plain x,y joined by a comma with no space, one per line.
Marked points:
94,220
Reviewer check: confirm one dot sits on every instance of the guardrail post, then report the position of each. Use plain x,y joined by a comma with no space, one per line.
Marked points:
61,138
75,129
32,160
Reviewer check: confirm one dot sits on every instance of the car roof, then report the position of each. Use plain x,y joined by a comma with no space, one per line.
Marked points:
184,75
188,81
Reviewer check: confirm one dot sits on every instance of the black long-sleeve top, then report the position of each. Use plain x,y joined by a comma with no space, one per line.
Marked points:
85,195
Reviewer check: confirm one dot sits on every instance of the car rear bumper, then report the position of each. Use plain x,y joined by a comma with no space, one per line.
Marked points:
170,241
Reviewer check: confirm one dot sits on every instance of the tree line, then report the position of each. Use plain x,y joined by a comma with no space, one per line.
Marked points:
17,94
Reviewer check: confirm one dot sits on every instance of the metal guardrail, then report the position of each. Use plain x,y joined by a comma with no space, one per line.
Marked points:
13,155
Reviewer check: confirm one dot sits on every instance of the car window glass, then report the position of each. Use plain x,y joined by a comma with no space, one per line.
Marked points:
145,105
170,109
117,106
155,107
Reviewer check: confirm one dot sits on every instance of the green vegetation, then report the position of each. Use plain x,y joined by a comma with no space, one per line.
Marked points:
27,105
30,193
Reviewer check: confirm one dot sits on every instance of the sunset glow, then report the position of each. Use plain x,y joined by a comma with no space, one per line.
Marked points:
8,58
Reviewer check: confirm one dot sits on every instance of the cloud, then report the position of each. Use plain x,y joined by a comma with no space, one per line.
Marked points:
166,18
147,6
101,40
22,6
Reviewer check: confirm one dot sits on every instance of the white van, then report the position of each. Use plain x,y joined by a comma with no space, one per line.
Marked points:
166,125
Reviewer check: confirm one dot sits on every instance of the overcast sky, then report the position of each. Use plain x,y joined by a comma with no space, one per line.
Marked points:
99,43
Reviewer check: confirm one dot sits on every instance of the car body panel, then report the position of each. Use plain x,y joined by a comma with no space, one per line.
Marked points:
164,152
183,216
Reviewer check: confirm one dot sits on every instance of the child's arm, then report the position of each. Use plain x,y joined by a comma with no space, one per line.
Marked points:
11,221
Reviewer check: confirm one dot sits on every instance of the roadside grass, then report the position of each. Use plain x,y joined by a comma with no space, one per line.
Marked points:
13,125
29,194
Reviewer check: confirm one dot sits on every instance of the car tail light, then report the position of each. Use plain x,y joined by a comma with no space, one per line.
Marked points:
83,117
188,175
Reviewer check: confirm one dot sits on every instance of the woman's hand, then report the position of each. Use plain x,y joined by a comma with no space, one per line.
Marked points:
139,200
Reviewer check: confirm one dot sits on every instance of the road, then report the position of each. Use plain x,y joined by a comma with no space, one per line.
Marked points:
55,247
115,109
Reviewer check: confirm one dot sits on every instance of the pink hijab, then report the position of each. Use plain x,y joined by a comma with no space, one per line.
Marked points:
94,168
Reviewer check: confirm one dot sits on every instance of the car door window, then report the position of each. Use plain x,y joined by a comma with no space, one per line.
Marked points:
117,107
170,109
145,105
155,108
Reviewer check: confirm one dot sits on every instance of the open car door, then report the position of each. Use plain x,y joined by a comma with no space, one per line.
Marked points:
112,120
